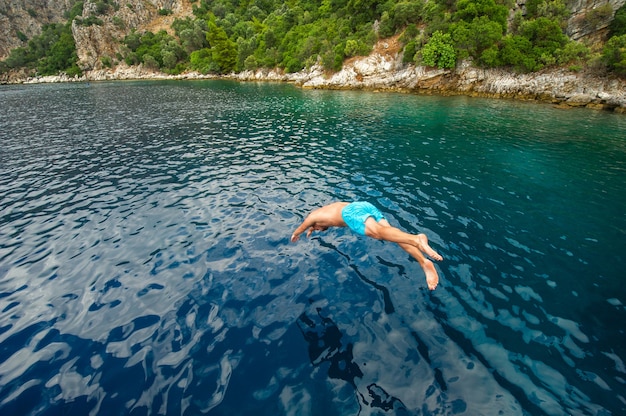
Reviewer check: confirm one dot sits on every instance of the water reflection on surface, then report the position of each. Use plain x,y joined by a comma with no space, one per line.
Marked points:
145,266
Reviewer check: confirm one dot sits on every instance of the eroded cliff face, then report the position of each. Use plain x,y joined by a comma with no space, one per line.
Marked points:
95,41
20,20
590,20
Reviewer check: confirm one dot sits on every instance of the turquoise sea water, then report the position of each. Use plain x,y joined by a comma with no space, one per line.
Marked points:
146,268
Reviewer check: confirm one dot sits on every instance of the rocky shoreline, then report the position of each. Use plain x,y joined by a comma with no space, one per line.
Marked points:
384,71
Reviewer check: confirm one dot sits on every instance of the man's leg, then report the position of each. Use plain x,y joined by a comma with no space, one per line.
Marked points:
412,244
432,278
382,230
426,248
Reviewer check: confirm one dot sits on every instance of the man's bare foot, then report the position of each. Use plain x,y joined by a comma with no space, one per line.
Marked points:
425,248
432,278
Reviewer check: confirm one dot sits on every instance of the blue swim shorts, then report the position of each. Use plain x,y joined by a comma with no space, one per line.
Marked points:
355,214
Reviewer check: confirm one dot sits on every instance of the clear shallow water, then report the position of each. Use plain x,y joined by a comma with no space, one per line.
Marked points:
145,266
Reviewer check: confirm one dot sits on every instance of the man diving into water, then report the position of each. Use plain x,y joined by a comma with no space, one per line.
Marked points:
365,219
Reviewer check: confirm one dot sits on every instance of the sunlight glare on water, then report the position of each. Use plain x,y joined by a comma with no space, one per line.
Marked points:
146,268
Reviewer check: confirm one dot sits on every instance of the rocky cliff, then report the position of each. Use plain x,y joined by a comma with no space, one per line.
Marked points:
382,70
20,20
588,23
95,41
590,19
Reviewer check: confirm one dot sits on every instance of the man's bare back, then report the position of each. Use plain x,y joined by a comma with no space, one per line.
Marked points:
321,219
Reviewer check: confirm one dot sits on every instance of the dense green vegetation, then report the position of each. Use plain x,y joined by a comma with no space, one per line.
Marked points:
227,36
614,53
236,35
50,53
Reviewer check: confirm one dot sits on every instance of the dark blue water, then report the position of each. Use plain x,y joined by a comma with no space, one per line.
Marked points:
145,263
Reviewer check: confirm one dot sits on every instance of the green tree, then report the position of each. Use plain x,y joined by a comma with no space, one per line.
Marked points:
61,57
223,50
101,7
245,50
517,51
409,51
352,47
75,10
191,40
618,25
51,52
150,61
532,7
161,48
406,12
468,10
614,54
202,61
545,35
172,53
150,47
473,38
573,52
19,58
386,27
491,57
250,63
439,51
132,40
363,11
552,9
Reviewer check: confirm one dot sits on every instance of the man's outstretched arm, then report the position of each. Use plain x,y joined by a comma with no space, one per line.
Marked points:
306,224
321,219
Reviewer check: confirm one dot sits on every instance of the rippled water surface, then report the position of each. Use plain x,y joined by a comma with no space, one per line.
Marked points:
145,266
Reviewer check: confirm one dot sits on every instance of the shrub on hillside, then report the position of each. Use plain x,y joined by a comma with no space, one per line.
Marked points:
439,51
618,25
614,54
51,52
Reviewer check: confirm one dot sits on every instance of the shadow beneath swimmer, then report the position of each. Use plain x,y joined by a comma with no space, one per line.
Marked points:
324,339
387,304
